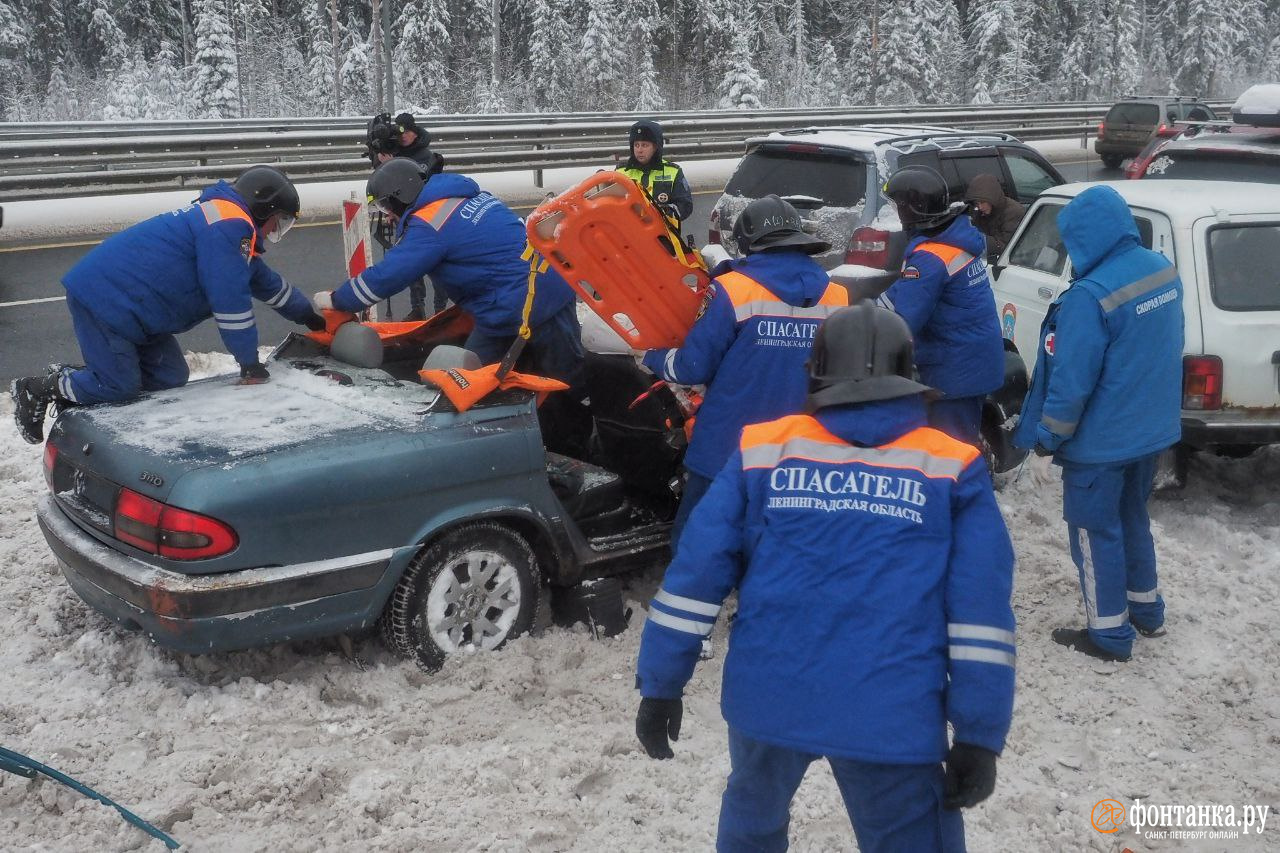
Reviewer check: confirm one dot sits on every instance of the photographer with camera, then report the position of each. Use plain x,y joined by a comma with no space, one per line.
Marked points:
385,139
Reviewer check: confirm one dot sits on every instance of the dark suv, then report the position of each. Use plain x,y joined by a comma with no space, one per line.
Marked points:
834,177
1134,122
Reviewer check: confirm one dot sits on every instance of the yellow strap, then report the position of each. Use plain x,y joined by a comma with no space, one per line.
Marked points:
537,264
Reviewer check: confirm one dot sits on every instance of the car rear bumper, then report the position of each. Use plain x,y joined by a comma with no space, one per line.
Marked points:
1231,426
1106,148
231,610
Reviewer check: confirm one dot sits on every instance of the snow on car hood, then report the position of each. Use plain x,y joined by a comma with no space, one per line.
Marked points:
219,416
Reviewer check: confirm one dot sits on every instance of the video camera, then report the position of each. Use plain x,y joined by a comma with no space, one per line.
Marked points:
382,136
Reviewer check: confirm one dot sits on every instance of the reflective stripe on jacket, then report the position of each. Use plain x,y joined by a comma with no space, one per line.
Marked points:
874,577
749,348
665,184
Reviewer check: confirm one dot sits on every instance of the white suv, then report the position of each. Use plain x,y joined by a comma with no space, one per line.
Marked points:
1224,238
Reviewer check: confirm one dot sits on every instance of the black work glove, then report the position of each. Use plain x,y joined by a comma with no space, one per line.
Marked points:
655,721
970,777
253,374
314,322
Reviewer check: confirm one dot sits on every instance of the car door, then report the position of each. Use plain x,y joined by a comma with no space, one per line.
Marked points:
961,167
1032,271
1237,262
1028,174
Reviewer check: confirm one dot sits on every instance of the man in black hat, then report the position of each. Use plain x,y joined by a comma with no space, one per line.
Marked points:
663,180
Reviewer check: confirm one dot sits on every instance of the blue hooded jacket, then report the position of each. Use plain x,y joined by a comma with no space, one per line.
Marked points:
172,271
949,306
749,349
1107,386
874,576
470,245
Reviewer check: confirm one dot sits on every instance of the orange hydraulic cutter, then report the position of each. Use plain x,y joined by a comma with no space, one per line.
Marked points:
617,250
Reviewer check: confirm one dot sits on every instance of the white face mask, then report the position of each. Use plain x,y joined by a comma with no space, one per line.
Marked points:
283,223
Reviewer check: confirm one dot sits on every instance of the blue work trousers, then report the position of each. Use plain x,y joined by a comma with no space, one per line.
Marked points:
118,369
695,487
894,808
1105,507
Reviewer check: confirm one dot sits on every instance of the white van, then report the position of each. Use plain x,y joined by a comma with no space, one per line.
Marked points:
1224,238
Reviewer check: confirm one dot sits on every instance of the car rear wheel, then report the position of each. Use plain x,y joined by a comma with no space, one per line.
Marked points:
1112,161
471,590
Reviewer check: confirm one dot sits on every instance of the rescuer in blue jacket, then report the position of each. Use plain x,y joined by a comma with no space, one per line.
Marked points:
751,341
136,290
1105,399
874,575
471,244
945,296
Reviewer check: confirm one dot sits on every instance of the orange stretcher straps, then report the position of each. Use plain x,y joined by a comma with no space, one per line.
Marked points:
465,388
438,212
802,437
218,209
953,258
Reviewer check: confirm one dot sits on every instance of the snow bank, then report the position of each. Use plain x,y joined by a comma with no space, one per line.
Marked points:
297,747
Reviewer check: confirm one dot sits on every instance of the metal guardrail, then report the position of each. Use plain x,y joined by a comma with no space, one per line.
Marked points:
43,162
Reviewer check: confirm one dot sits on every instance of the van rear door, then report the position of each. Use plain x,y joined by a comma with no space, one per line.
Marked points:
1240,262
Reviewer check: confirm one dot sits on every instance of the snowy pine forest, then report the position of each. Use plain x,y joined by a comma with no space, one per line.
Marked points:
179,59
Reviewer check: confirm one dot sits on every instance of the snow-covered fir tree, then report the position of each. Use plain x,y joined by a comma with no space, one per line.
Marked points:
742,84
267,57
214,91
421,54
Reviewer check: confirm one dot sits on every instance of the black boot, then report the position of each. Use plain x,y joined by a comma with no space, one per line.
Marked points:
1078,639
31,398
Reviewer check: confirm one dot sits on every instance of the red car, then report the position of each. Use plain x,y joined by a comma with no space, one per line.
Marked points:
1246,149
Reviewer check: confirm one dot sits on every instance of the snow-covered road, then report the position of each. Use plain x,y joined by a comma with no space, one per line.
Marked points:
298,747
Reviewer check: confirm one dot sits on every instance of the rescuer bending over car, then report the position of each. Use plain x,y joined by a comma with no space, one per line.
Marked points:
137,289
874,575
471,244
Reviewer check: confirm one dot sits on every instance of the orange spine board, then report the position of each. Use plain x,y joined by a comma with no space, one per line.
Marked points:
605,237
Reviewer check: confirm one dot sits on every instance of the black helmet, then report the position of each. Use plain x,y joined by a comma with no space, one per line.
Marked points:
921,196
395,185
267,190
860,354
771,223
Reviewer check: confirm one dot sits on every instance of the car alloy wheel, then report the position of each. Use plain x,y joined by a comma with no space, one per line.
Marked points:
472,604
470,590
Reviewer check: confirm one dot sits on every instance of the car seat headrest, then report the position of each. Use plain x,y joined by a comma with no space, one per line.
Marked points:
446,357
357,344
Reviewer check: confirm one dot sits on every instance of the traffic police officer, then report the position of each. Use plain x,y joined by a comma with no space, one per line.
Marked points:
663,180
1105,400
874,576
751,340
945,296
131,294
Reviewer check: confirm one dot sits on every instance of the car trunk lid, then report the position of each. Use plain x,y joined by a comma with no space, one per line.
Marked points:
1131,122
148,445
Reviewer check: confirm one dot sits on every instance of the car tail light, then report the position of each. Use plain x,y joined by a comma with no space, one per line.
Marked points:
713,236
802,148
1102,129
1201,382
50,460
177,534
868,247
1160,131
